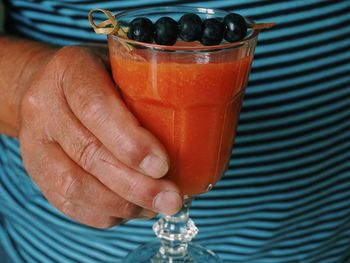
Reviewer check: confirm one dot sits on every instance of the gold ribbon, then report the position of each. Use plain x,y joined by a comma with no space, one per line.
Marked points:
109,26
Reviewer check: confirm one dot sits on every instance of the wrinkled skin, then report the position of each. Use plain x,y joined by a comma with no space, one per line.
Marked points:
85,150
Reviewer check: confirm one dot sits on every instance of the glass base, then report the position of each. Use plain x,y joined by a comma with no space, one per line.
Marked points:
149,253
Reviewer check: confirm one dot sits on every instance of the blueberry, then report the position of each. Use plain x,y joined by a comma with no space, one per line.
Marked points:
141,29
235,27
165,31
213,32
190,27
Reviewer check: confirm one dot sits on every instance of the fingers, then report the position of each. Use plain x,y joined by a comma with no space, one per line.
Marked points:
161,196
95,102
81,146
81,214
67,186
95,173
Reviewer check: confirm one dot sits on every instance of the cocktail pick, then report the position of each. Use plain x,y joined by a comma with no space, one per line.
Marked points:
259,26
109,26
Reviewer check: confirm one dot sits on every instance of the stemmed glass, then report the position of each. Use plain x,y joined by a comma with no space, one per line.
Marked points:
189,96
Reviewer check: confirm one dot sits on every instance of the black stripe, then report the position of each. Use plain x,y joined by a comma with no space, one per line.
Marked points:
24,239
303,85
303,60
279,138
269,80
325,246
13,244
271,178
300,216
298,156
112,9
302,232
276,180
273,242
12,152
302,131
290,189
289,101
346,255
250,5
290,50
10,194
330,255
11,26
269,171
294,10
310,32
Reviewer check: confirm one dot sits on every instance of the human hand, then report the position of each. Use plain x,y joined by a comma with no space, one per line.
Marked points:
85,150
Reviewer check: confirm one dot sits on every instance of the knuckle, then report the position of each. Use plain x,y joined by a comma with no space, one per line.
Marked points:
140,192
94,109
88,152
31,103
132,147
66,207
69,52
69,185
132,190
130,210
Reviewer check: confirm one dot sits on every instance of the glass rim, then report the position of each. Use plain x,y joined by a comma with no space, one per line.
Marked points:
251,37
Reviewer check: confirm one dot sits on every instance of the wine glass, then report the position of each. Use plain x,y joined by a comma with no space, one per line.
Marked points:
189,96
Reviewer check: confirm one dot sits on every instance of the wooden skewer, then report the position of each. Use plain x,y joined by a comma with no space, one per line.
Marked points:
111,26
260,26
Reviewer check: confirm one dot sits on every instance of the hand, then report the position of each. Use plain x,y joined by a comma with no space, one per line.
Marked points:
85,150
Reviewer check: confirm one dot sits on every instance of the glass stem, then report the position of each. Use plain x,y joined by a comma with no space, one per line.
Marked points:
175,233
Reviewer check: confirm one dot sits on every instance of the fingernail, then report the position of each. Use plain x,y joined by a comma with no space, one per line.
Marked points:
154,166
167,202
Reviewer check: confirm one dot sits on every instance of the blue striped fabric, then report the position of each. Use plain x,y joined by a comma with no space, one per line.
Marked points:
286,195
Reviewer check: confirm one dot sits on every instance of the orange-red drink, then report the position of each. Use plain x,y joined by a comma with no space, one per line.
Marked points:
190,101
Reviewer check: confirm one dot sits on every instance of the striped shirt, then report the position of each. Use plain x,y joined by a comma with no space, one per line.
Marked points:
286,194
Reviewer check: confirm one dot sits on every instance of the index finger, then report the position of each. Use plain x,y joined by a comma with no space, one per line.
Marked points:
159,195
94,100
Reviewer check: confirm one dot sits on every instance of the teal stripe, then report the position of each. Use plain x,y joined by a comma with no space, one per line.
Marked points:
309,14
285,225
27,246
299,146
45,249
316,122
52,234
305,66
308,171
7,245
281,144
299,42
256,210
259,206
293,94
286,81
45,38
